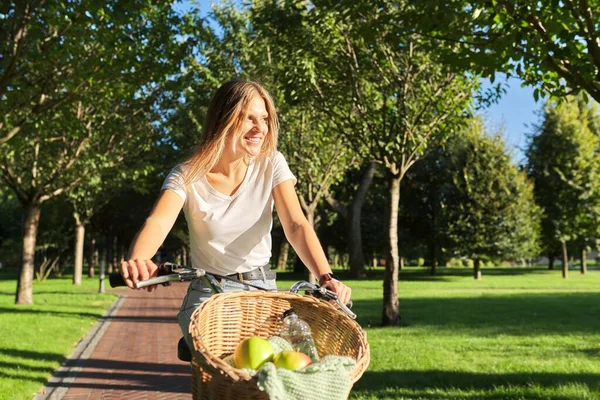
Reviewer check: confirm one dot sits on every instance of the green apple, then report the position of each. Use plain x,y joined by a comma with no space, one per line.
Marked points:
290,359
252,353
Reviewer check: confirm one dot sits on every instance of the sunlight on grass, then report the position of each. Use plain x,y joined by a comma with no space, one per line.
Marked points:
35,339
527,335
519,333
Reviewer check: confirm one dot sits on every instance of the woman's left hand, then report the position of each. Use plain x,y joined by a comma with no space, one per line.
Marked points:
343,291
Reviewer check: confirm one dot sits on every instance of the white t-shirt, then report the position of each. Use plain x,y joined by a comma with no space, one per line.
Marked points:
231,233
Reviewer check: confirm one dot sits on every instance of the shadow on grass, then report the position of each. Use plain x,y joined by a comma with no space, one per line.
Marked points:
382,384
123,317
104,375
19,310
422,274
32,355
513,314
446,273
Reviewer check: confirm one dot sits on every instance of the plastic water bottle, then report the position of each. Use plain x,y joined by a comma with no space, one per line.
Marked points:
297,332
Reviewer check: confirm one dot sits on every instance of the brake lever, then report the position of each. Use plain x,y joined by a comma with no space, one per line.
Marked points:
325,294
330,295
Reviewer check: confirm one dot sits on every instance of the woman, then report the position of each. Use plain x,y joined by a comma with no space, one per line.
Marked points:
227,189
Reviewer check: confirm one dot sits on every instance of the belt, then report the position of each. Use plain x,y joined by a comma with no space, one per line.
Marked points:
265,272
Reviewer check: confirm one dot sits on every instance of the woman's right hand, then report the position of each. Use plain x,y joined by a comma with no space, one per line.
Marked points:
134,271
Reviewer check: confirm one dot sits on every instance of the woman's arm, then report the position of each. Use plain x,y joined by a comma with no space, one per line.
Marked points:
139,265
302,236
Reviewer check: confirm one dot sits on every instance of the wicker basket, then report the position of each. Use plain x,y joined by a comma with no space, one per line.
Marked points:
220,323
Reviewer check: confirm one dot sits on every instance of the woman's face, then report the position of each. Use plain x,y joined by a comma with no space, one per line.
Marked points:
254,127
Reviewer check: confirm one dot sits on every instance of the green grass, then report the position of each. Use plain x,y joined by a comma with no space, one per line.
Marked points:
516,334
36,339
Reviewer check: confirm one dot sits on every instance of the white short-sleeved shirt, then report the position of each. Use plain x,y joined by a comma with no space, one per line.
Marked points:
231,233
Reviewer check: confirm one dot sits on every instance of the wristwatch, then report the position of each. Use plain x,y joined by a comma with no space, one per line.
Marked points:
325,278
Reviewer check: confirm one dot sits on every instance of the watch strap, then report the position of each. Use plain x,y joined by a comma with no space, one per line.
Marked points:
325,278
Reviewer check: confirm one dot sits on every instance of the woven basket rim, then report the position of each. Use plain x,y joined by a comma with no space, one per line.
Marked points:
236,374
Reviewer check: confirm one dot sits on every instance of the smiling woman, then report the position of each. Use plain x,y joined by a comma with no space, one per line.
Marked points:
227,190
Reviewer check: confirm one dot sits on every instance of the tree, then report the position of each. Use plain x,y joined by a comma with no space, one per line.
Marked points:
124,160
388,97
564,163
488,205
73,61
551,44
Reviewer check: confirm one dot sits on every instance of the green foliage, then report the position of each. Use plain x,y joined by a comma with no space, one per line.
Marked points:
550,44
564,163
78,82
488,205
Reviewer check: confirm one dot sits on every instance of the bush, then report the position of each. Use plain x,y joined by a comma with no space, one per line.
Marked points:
467,262
420,261
454,262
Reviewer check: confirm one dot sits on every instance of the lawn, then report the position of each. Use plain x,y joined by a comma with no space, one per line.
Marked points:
35,339
516,334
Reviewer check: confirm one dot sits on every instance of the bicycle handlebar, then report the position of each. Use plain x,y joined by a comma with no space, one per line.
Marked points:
168,272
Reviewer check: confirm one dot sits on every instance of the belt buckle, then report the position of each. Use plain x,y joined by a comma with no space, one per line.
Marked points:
240,276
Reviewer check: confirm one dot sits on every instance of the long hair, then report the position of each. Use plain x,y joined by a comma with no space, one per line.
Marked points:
224,118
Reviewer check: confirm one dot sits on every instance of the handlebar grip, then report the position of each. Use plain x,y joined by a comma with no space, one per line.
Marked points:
158,280
116,280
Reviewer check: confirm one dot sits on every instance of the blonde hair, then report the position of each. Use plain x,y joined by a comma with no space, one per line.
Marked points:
224,117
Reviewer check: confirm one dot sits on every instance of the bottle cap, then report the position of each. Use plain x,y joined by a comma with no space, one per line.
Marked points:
288,312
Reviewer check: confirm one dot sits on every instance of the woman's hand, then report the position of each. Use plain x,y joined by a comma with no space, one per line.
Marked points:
134,271
343,291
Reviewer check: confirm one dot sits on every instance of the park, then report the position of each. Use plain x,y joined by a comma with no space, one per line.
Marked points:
474,275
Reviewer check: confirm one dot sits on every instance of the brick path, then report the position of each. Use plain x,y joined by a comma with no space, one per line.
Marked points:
136,357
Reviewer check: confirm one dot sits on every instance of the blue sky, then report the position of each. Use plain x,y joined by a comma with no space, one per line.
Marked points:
517,112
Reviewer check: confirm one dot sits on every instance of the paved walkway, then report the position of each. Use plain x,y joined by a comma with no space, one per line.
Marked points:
130,354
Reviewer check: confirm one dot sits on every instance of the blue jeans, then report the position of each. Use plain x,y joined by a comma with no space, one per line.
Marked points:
198,292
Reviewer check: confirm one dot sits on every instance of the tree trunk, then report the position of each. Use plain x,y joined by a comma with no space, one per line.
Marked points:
102,272
432,254
110,250
93,256
355,245
583,261
31,222
477,269
79,236
565,266
551,262
284,250
391,316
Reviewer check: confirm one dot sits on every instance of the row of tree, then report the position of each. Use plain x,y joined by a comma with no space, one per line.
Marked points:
100,99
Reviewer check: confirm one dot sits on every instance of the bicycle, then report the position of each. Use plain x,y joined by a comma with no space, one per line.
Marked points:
210,373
